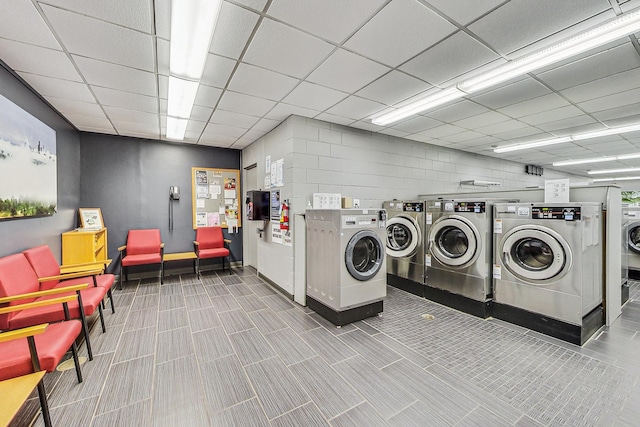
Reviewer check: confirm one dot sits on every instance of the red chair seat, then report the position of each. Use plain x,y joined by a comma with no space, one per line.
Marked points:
141,259
91,298
213,253
51,347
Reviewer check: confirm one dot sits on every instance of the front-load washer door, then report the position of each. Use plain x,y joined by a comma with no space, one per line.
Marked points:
535,254
634,237
364,255
453,241
403,236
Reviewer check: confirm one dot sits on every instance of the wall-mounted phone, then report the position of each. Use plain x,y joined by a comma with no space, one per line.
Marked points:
174,192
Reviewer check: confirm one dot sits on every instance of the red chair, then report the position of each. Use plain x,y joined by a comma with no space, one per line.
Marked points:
143,247
38,348
50,275
19,284
210,243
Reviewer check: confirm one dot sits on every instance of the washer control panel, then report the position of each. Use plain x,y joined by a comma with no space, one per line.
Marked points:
413,207
559,213
470,207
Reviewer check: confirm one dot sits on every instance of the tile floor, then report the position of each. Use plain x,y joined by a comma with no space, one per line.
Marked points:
228,350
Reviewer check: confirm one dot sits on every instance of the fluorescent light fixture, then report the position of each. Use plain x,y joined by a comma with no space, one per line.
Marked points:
176,128
192,25
622,26
597,160
182,94
527,145
602,172
605,132
624,178
426,103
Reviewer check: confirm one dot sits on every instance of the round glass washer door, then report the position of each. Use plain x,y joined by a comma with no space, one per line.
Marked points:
634,237
535,254
364,255
453,241
403,236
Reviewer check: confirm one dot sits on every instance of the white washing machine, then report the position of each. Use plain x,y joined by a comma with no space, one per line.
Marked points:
631,215
346,268
405,248
548,267
459,253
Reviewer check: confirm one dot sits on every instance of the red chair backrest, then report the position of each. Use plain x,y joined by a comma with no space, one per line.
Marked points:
141,242
44,264
16,277
209,237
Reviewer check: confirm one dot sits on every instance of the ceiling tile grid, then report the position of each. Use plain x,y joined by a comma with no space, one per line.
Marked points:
105,65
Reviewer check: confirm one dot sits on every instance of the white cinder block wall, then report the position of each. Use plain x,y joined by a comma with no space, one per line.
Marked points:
322,157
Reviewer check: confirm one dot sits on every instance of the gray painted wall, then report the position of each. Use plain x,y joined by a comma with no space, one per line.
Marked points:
129,180
20,234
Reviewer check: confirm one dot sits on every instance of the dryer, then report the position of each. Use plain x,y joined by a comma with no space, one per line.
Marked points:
405,248
346,268
458,254
548,267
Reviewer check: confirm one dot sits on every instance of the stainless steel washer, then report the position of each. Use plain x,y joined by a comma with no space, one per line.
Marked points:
458,254
346,268
548,267
632,239
405,245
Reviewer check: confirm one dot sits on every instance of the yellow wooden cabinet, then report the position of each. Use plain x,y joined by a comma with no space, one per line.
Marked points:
81,246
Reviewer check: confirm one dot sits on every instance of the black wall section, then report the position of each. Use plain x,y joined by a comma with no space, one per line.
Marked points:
17,235
129,180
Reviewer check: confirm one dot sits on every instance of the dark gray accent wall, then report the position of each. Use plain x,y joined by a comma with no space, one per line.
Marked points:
20,234
129,180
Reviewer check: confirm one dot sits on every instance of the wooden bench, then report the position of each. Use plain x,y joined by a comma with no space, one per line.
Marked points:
181,256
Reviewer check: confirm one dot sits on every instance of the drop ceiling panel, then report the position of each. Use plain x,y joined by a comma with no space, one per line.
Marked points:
400,31
91,124
262,83
462,136
134,14
30,28
392,88
142,130
602,64
516,135
59,88
265,124
501,127
29,59
162,13
234,119
235,25
332,118
519,23
442,131
114,76
282,111
217,70
286,50
241,103
457,111
632,112
333,72
620,99
537,105
417,124
605,86
118,98
199,113
125,115
97,39
332,20
567,126
513,93
220,129
487,118
314,96
464,11
207,96
551,115
257,5
76,107
163,53
357,108
450,58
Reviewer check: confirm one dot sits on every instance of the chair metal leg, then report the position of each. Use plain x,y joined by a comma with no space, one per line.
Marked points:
161,273
113,309
121,269
76,361
101,314
44,404
85,327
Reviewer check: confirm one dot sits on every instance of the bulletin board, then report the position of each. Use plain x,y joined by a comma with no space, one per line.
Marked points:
215,197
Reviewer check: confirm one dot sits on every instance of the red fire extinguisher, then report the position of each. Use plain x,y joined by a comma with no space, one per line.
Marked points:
284,216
